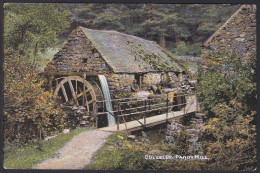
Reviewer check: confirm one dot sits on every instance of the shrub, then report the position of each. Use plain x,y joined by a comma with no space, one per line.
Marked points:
227,93
29,111
184,49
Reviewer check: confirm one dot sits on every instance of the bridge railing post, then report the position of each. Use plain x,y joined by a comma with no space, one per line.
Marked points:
145,112
185,103
197,104
96,114
117,116
167,103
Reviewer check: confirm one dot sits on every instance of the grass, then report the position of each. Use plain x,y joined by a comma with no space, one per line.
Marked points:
25,157
116,154
121,154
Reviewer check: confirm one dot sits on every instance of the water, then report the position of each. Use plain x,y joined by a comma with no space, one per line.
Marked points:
104,86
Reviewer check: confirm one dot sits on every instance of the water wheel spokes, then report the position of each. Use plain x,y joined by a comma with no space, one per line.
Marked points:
74,90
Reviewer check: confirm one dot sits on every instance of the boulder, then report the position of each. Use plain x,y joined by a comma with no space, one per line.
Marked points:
85,117
169,139
82,122
131,137
81,108
65,131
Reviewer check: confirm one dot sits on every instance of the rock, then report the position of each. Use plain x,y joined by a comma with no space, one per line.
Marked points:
81,108
172,127
65,131
79,112
132,137
169,139
168,132
85,117
172,133
82,122
193,131
50,137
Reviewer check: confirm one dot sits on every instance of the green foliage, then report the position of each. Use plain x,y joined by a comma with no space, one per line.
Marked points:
230,80
119,153
227,92
164,23
230,138
29,111
213,88
184,49
25,157
181,48
31,28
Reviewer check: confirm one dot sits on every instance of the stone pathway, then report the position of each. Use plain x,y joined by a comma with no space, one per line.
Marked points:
77,153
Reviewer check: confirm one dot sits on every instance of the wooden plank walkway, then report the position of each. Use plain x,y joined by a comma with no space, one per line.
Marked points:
150,121
130,126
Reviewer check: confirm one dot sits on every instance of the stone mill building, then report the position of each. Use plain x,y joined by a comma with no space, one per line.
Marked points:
121,58
237,35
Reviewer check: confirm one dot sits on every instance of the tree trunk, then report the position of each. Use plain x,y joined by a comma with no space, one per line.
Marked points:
162,40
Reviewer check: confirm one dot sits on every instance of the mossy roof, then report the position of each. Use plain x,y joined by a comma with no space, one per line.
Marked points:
130,54
233,17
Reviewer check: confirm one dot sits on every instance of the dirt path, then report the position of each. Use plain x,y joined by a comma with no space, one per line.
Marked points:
77,153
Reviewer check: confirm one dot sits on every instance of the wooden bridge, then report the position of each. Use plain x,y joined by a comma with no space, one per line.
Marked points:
189,107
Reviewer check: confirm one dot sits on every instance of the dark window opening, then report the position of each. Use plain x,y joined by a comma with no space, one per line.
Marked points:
138,80
85,60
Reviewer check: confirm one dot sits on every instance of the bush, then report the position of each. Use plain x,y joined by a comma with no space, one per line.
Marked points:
29,111
227,93
184,49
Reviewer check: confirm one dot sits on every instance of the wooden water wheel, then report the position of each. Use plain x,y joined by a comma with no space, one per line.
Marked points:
75,90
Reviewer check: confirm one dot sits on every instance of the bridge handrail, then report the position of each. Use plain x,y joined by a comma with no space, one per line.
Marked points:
100,113
150,110
168,104
162,96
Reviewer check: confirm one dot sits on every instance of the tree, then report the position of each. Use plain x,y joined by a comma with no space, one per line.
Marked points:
167,24
29,111
227,93
31,28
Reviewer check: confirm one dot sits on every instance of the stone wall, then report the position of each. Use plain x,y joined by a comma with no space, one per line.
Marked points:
123,82
237,35
78,55
120,82
193,126
150,79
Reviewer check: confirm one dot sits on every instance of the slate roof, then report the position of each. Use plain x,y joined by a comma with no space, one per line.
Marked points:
221,29
125,53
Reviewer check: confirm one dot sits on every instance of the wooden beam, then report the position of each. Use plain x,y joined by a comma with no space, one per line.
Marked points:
82,92
64,93
73,92
84,76
50,84
51,73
